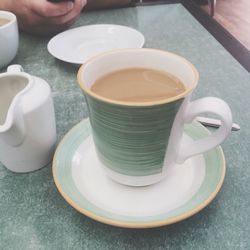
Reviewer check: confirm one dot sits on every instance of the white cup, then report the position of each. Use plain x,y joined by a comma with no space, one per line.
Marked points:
9,38
137,142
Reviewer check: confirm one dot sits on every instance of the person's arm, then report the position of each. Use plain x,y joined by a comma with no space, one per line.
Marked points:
43,17
101,4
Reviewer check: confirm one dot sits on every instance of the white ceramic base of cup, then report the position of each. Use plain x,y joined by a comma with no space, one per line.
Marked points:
134,180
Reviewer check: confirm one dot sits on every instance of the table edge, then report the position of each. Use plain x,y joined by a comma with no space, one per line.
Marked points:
226,39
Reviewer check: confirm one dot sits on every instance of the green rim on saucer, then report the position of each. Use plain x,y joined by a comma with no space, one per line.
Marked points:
62,172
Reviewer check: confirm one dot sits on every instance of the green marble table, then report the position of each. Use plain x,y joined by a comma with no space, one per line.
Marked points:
33,215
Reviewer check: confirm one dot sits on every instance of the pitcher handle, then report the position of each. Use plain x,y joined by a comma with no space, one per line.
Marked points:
15,68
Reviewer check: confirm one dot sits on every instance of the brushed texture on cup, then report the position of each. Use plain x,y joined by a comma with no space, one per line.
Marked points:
132,140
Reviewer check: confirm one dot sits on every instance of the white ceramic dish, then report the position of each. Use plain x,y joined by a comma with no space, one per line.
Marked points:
79,44
189,187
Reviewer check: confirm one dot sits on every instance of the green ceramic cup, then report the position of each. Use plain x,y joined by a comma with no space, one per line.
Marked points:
137,142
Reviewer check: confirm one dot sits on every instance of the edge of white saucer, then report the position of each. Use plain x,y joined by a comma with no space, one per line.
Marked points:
75,62
127,224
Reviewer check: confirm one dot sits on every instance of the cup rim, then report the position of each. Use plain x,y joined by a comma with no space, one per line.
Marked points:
12,20
137,104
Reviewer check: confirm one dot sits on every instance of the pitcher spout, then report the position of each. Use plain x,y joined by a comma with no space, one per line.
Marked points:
13,130
12,125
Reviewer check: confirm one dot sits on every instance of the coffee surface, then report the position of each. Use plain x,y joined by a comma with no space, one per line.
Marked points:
138,85
3,21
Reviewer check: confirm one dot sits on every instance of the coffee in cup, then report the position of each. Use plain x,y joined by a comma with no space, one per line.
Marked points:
137,126
4,21
138,85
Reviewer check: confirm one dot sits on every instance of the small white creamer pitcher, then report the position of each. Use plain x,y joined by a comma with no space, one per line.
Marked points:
27,121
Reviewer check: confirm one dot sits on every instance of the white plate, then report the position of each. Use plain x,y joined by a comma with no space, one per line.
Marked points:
79,44
188,188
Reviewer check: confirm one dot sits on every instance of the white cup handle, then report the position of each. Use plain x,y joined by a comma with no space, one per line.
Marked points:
211,105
